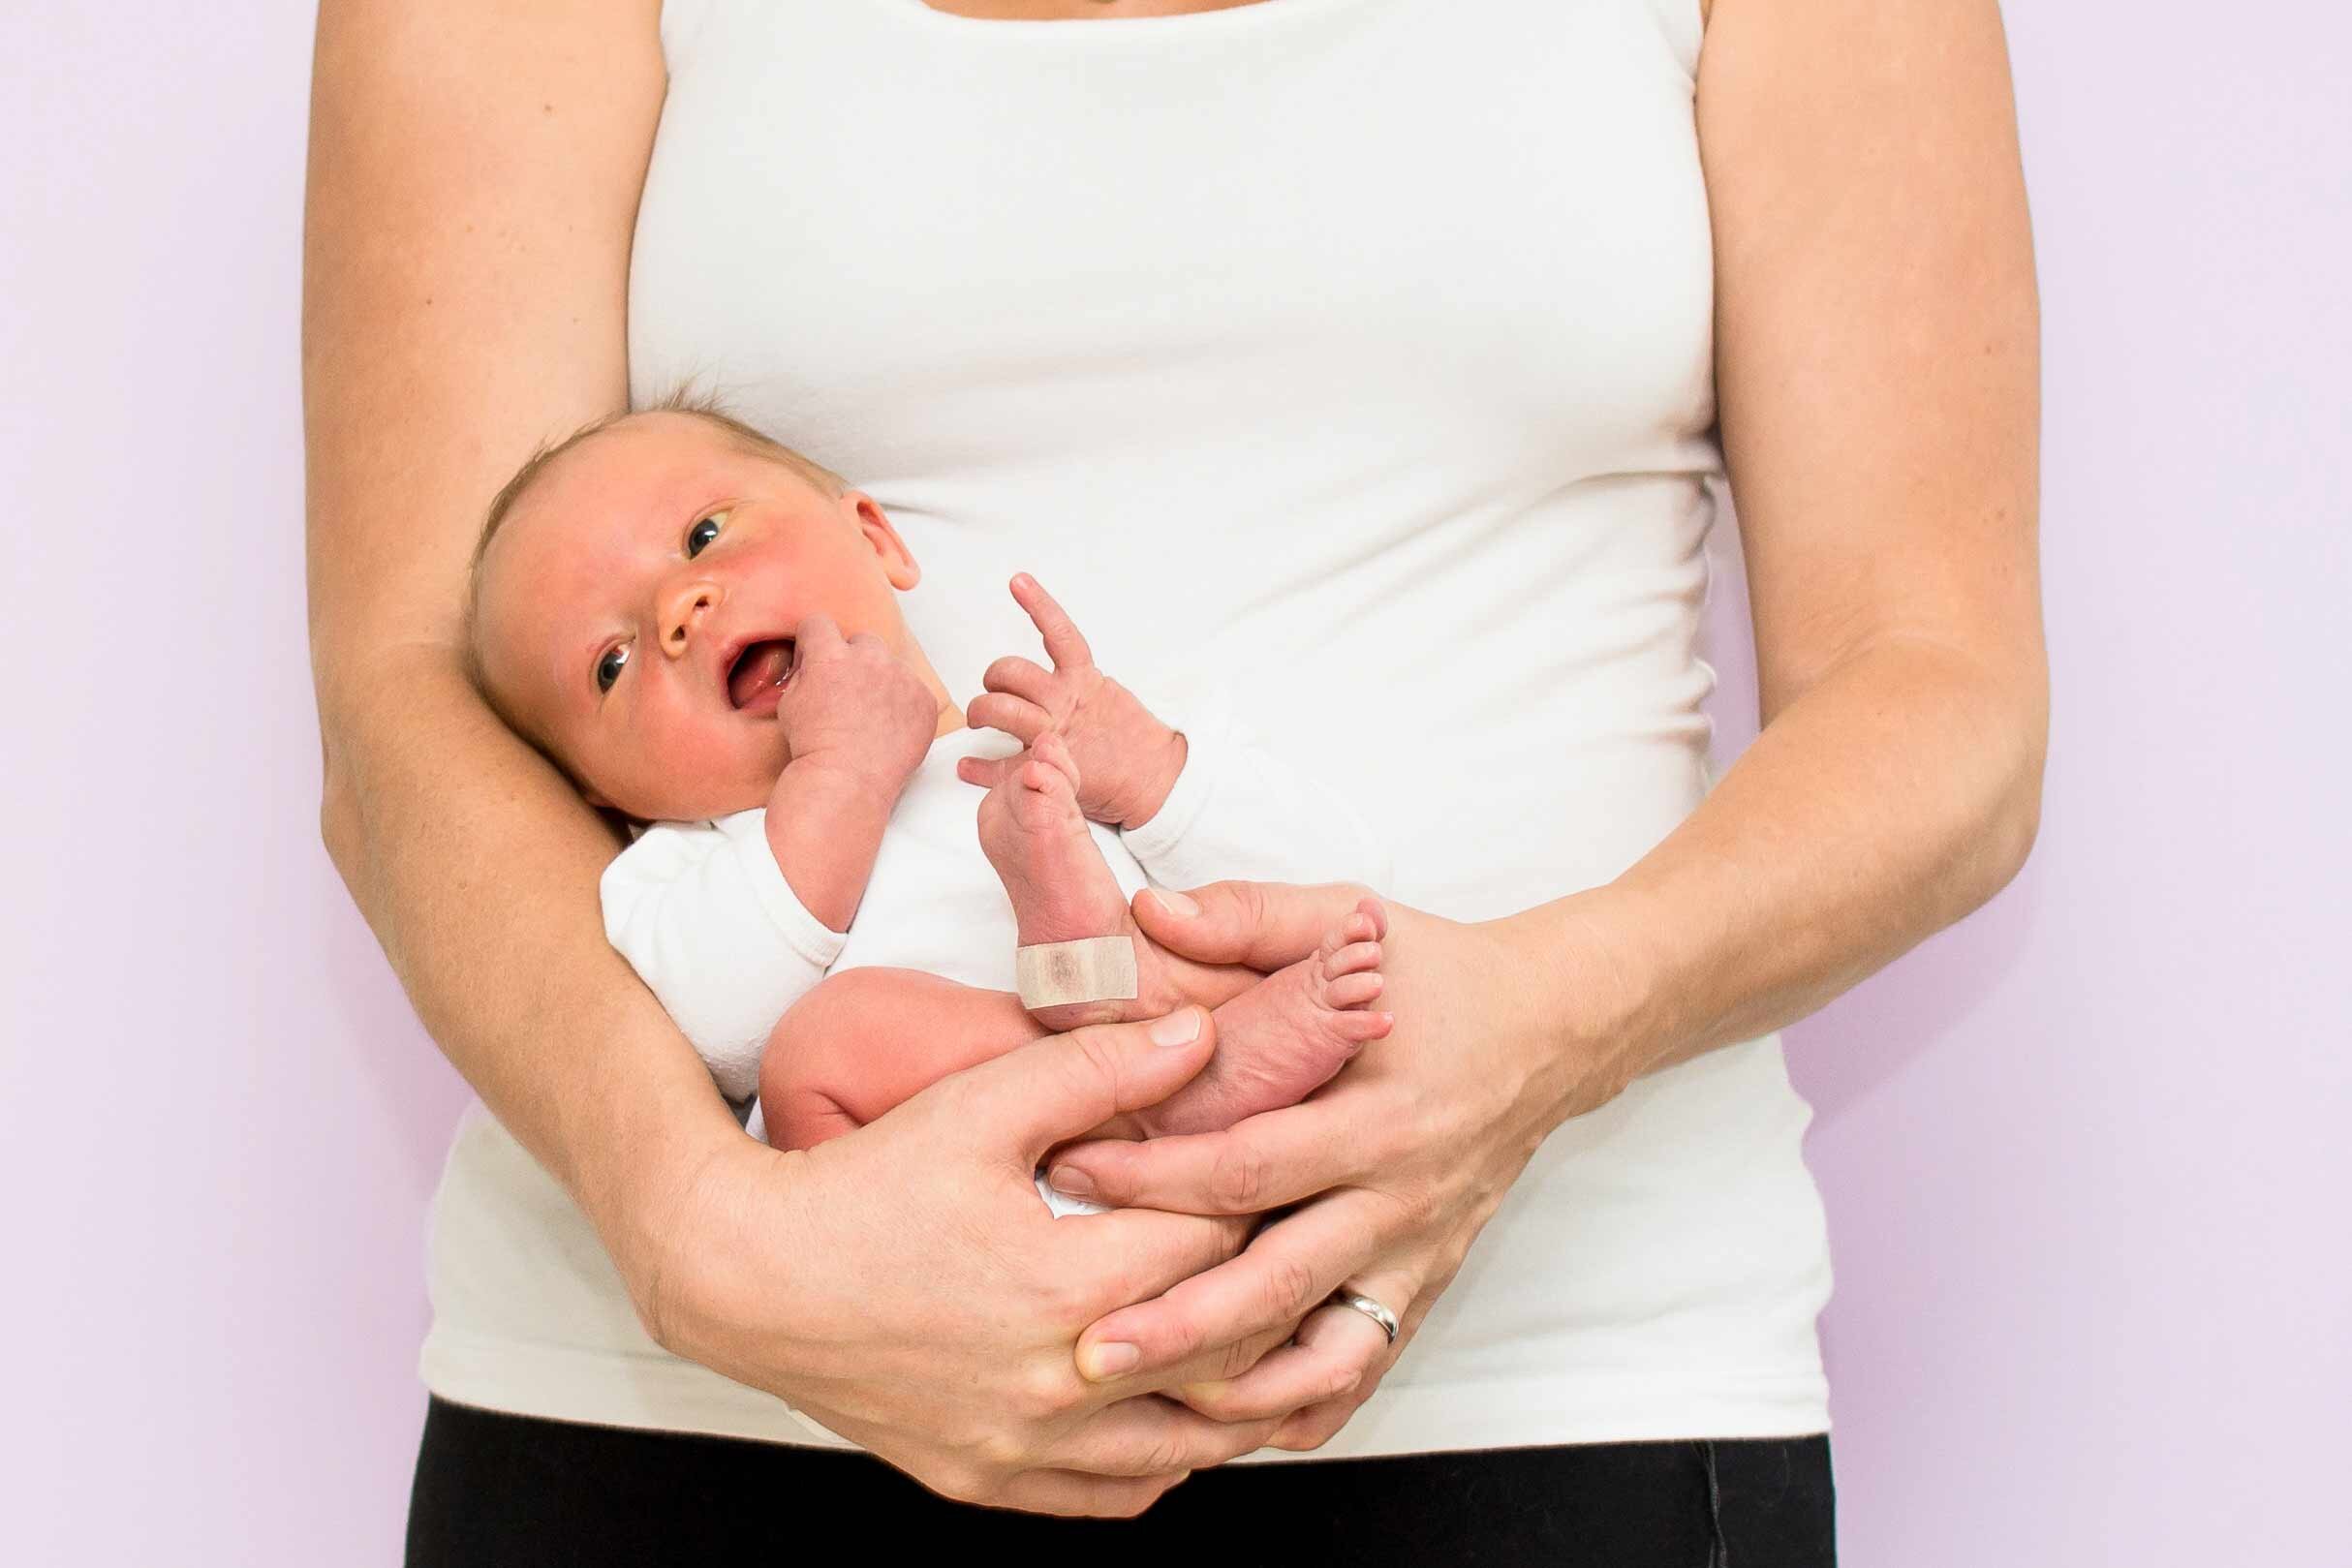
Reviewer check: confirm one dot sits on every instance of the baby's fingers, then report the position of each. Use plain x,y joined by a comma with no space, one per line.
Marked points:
988,772
1063,643
815,635
1024,721
1020,678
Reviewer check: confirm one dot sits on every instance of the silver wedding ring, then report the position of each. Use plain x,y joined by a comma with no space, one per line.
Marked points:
1386,1319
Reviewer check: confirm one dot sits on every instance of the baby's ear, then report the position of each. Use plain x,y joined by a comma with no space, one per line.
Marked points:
897,561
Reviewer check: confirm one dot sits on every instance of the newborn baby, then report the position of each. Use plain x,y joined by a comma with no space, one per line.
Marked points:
700,627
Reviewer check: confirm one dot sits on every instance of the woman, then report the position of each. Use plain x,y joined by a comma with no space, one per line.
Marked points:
1371,351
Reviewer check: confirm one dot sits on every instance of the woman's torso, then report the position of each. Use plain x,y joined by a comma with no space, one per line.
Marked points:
1354,352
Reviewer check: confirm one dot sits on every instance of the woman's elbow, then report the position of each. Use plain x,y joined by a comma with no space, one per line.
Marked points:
373,719
341,825
2014,819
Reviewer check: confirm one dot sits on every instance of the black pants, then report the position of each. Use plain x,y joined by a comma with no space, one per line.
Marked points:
516,1492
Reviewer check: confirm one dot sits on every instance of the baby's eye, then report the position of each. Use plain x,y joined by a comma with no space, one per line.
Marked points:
702,533
609,666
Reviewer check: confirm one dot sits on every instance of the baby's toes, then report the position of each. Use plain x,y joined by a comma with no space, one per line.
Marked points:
1350,959
1353,990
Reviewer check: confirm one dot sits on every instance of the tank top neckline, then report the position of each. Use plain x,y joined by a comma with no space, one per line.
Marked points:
1234,17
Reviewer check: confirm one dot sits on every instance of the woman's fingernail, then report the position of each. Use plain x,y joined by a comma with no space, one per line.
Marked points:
1175,904
1177,1029
1070,1181
1100,1362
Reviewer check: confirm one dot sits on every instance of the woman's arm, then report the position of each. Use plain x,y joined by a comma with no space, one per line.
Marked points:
1879,375
1878,378
473,180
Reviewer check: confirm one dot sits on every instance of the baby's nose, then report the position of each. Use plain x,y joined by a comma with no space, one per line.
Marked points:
683,615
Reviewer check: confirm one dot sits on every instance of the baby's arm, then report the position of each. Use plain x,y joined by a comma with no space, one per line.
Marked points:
1195,804
856,720
1238,810
1127,758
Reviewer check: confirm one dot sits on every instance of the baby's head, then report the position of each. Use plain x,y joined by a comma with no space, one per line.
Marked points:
633,596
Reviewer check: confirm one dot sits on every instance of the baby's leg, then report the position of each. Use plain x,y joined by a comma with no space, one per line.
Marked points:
1278,1040
1285,1038
866,1039
1062,890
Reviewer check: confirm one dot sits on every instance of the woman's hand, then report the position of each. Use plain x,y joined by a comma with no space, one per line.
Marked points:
904,1285
1404,1156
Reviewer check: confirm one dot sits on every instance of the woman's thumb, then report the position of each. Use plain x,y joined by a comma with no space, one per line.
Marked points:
1264,925
1065,1084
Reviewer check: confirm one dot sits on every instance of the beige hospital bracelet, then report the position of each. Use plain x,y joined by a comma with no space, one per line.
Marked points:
1093,968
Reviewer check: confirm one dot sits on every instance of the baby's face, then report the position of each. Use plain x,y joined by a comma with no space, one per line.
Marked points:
636,604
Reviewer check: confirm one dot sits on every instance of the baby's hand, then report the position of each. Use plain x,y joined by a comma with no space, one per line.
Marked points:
855,705
1128,760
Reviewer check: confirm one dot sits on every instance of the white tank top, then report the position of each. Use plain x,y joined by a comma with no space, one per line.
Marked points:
1357,353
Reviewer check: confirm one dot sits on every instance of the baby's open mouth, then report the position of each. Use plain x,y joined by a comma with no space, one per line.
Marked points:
759,669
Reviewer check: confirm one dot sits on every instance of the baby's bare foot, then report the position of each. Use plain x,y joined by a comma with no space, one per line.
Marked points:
1285,1038
1036,838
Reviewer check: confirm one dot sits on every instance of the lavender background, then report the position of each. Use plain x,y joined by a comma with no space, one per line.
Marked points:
2083,1153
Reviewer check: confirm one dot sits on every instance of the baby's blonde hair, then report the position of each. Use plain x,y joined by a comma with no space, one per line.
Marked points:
685,400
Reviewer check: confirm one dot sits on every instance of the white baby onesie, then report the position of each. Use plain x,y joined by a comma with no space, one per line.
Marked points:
705,914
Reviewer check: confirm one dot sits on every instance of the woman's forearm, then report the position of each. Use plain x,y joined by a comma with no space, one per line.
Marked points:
1897,794
477,867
